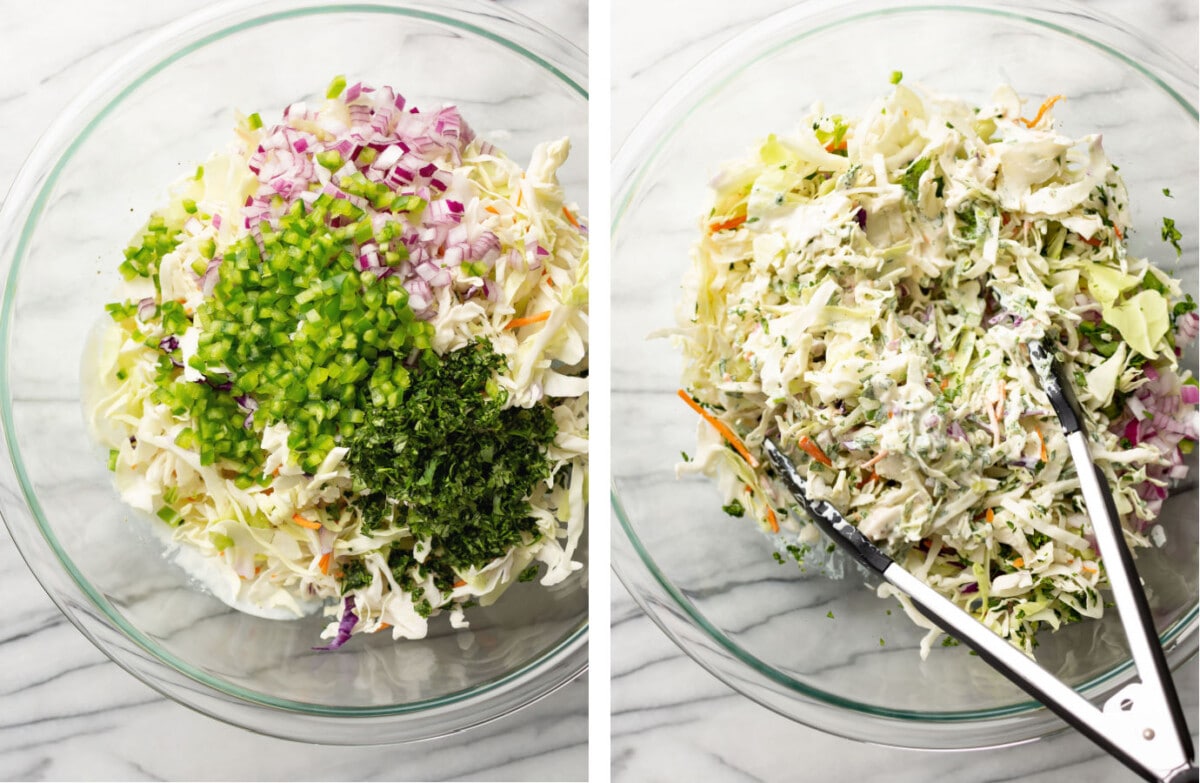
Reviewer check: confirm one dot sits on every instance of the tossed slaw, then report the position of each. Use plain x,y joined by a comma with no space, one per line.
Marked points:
863,289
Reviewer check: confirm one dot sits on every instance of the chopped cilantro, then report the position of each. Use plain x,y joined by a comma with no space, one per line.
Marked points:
734,508
1172,235
354,575
912,176
456,466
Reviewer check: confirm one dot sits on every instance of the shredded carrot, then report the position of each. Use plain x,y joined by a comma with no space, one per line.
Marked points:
725,225
841,146
493,210
570,218
308,523
1088,568
1005,218
1042,441
868,479
324,562
382,627
1019,562
772,520
721,428
1045,107
460,583
1117,230
1093,242
876,459
517,323
814,451
945,384
891,414
275,472
991,517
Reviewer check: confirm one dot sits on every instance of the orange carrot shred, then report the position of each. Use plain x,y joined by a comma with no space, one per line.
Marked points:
460,583
517,323
1117,230
493,210
570,218
1042,441
945,384
721,428
814,451
308,523
1045,107
1094,242
772,520
1019,562
324,562
991,516
727,224
882,455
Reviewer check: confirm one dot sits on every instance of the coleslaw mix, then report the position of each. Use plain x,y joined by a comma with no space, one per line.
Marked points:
862,290
349,367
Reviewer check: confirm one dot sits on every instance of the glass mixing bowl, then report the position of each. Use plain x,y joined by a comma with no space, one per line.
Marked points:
89,185
708,580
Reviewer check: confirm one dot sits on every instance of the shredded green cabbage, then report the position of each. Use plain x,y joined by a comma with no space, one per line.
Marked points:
862,290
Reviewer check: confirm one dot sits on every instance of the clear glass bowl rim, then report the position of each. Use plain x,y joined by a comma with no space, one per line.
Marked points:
524,37
644,144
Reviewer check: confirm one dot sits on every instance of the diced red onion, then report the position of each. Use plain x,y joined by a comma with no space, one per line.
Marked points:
146,308
1132,431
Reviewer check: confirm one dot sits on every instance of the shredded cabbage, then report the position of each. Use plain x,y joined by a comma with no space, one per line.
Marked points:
862,290
255,556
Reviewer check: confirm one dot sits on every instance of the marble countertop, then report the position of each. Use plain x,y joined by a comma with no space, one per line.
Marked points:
69,712
671,720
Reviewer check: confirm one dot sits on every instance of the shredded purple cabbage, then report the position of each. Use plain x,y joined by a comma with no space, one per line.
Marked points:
349,620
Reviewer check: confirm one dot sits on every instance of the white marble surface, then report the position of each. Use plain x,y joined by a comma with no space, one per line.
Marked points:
671,720
69,713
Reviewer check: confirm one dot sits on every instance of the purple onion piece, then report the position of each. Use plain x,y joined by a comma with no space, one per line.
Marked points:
146,309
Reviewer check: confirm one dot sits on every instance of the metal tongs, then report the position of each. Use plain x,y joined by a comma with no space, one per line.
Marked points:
1142,724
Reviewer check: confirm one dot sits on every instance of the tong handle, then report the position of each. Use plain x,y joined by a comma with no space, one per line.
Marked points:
1128,594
